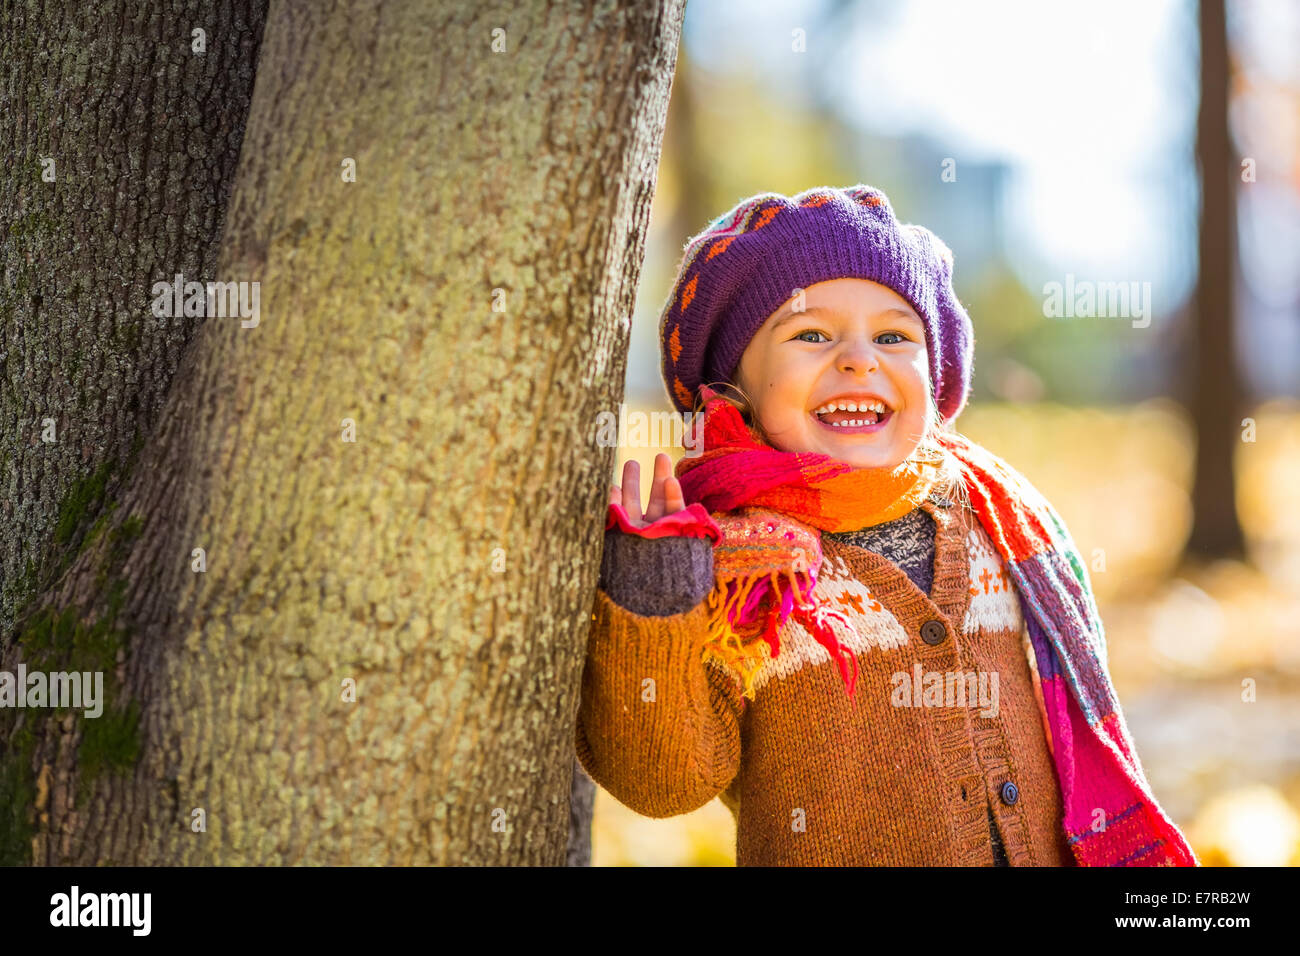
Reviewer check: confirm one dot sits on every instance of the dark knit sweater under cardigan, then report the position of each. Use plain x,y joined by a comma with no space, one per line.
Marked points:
649,584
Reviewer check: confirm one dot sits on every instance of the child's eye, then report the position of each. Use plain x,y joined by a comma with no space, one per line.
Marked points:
897,335
801,335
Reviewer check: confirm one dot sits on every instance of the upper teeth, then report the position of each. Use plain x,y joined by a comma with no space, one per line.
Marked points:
878,407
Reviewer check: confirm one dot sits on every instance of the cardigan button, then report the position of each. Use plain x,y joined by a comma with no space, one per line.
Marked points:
933,632
1009,793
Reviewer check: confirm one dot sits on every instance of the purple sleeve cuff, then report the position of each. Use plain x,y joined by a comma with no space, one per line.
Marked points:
656,577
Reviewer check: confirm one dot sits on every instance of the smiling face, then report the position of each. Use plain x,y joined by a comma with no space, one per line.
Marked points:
856,343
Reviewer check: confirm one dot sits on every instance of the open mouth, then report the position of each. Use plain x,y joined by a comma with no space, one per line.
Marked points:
854,420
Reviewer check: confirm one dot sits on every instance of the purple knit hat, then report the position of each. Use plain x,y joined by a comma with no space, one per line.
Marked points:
750,260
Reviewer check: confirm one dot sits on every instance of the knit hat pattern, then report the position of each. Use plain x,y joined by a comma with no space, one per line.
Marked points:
755,257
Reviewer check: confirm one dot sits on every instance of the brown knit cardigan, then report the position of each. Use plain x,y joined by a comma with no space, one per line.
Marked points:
813,777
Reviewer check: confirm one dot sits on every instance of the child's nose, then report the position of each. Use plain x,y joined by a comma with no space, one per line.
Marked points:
858,355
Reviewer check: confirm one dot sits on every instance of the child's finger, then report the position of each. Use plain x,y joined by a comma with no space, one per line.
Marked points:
615,495
632,490
674,500
662,473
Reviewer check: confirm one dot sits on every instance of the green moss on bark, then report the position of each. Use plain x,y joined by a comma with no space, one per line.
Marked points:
85,496
109,743
58,640
17,795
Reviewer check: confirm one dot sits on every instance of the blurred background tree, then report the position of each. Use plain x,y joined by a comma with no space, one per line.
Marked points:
1216,385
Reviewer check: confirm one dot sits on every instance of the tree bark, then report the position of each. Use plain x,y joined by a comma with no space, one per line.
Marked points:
393,475
1216,404
140,135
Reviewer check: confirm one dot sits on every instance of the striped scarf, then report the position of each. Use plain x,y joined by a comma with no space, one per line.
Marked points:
771,507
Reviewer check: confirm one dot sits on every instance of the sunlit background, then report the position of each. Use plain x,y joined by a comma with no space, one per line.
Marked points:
1071,128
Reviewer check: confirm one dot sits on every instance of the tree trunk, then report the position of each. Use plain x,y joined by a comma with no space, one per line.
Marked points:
1216,404
393,474
118,145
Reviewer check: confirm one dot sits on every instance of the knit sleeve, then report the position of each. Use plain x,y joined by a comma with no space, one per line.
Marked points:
656,576
657,727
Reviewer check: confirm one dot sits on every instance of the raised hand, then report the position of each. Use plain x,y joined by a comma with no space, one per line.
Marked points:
665,492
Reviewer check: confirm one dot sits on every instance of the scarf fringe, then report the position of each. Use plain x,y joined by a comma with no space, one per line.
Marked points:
740,606
817,621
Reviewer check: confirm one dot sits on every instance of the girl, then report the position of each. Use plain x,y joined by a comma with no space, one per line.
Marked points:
871,637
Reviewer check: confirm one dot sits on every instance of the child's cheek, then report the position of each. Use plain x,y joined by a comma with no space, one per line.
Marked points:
919,377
